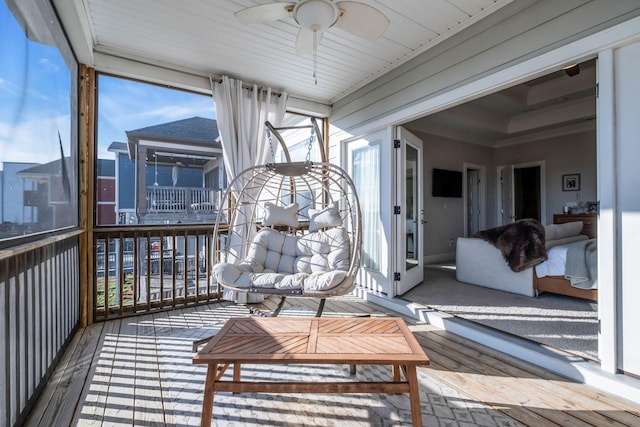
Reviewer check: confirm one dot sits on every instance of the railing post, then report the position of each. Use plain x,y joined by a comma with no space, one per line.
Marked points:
187,199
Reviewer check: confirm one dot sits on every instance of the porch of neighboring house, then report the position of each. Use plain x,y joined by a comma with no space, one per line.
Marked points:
186,204
138,371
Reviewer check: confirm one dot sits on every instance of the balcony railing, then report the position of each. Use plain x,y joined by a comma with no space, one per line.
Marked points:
143,269
182,199
39,313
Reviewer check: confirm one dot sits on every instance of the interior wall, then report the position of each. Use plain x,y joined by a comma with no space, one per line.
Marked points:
568,154
445,215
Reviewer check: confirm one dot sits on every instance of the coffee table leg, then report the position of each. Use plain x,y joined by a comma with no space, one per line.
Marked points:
236,374
207,403
395,369
414,396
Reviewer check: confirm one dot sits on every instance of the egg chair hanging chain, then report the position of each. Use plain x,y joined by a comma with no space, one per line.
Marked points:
273,154
311,138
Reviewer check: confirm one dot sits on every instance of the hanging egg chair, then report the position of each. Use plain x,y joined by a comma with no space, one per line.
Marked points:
289,229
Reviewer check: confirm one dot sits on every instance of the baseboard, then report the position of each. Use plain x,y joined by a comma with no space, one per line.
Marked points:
437,258
572,367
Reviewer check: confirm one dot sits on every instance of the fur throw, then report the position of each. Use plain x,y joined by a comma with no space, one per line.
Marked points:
521,243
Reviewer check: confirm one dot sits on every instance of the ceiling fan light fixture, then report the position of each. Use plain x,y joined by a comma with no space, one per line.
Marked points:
572,70
316,15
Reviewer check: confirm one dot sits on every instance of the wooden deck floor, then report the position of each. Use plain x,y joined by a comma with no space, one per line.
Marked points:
138,371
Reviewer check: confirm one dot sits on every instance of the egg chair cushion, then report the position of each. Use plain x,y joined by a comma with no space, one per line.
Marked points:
275,215
324,218
315,262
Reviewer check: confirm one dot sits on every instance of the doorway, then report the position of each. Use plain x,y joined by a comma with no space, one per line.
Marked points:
526,202
522,192
409,212
474,191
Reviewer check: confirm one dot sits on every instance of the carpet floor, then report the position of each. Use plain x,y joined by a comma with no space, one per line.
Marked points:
565,323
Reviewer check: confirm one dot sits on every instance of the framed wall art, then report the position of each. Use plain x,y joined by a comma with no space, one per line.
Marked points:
571,182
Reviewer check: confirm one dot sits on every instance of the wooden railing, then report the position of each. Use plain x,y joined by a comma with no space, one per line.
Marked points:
40,309
144,269
182,199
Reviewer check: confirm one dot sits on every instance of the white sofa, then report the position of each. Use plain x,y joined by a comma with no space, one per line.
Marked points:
480,263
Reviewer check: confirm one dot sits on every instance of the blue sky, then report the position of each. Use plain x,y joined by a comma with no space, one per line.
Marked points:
35,104
125,105
34,96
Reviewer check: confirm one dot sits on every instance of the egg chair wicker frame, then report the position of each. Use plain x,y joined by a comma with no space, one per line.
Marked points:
310,185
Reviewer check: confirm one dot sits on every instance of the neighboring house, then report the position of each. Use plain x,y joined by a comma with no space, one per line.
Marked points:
169,172
13,215
106,192
47,193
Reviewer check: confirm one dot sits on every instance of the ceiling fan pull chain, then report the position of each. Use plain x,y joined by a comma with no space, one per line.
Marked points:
315,57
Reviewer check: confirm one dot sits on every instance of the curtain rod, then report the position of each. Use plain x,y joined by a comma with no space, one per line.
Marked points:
244,86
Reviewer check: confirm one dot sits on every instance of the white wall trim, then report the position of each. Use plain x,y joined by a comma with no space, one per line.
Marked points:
607,241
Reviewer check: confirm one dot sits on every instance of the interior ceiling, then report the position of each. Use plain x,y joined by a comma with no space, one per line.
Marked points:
204,36
552,105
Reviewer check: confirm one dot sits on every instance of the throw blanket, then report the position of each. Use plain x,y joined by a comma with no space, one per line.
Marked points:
521,243
581,268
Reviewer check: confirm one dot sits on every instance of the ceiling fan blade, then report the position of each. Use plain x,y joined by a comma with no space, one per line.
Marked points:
361,20
305,41
264,12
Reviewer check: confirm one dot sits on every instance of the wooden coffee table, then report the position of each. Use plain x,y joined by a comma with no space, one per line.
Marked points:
332,341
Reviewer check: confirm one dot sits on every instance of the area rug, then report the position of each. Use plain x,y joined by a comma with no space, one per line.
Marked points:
440,404
565,323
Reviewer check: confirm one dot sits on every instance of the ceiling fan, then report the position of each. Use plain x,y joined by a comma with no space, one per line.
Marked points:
317,16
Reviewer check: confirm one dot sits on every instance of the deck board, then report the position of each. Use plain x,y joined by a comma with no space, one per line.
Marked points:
511,390
138,371
584,397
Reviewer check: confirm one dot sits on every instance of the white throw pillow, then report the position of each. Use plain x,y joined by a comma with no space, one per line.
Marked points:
280,215
327,217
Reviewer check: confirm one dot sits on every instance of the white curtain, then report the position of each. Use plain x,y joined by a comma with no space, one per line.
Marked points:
241,112
366,178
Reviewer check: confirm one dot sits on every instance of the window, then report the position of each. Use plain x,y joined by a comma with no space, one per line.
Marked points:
159,158
38,124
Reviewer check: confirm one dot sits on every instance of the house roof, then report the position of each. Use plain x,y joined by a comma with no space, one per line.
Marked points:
52,168
197,135
118,147
192,130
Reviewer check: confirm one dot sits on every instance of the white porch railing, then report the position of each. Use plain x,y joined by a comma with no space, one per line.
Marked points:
182,199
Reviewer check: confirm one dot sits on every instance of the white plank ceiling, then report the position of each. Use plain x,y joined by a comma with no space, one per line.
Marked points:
204,36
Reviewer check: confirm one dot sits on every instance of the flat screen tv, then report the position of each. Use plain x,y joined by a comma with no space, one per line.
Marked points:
446,183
